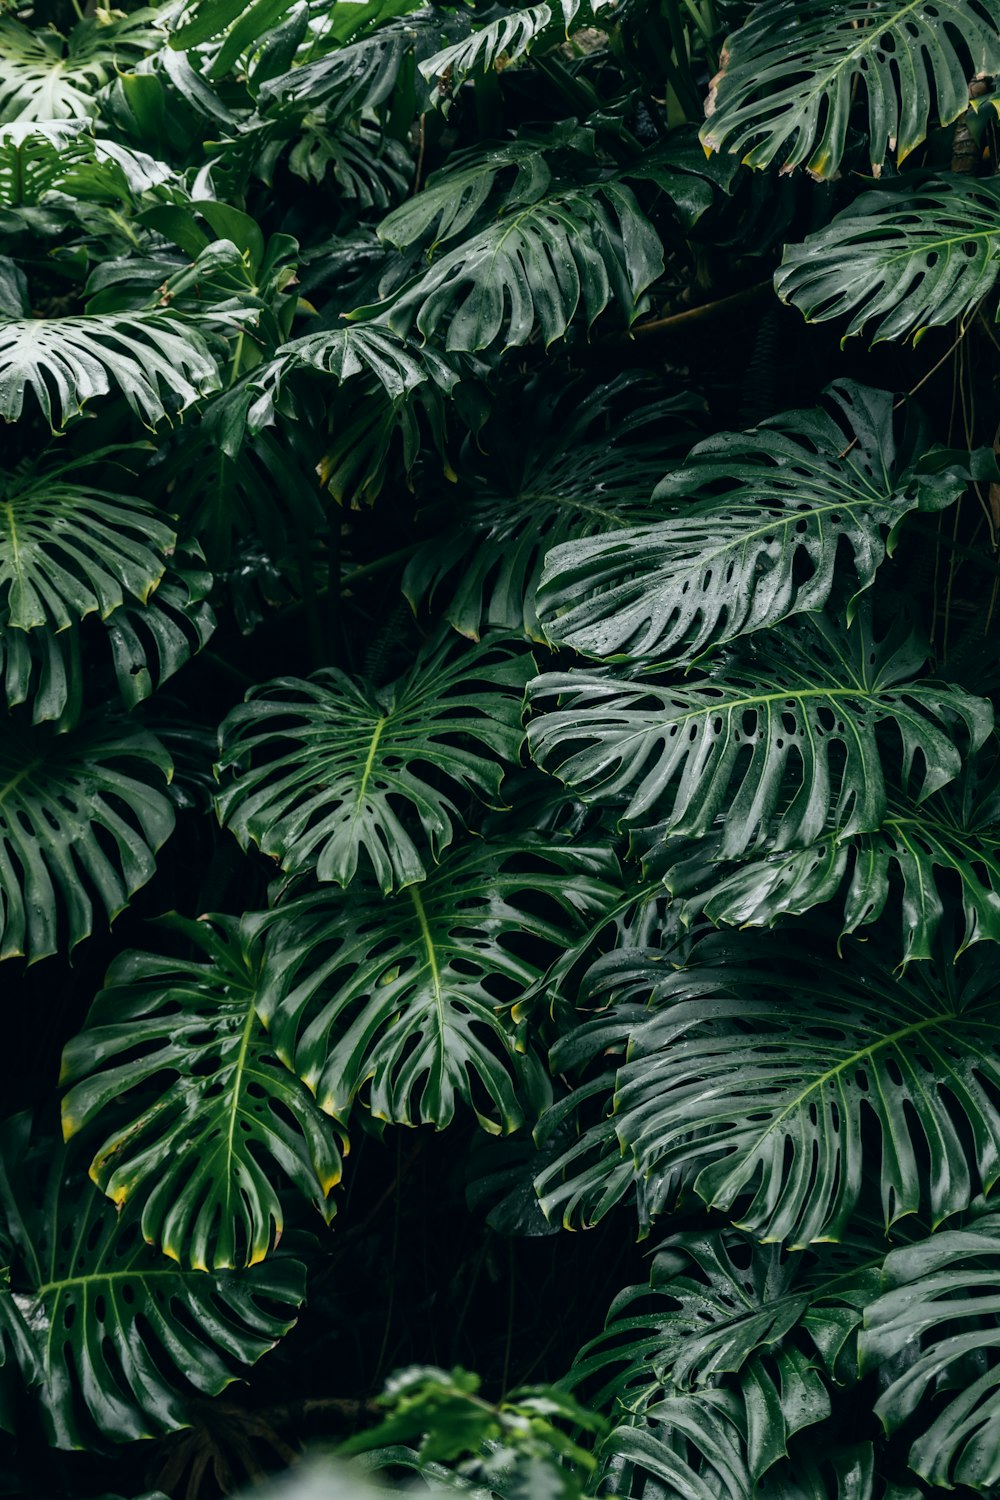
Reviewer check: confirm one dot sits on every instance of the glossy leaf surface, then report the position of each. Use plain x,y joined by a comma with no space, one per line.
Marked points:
781,741
206,1121
900,260
122,1338
787,85
334,771
81,817
750,531
408,999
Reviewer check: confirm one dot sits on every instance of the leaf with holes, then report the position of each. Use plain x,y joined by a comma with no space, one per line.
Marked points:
205,1122
900,260
81,818
121,1339
408,998
750,530
44,76
790,74
751,1072
781,740
325,772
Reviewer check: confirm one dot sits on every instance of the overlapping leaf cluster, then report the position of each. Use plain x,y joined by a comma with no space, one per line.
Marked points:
594,761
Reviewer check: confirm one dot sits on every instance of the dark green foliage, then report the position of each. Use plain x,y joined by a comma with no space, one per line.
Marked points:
499,522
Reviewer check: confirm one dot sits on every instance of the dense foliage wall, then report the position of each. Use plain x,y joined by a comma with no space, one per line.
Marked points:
498,620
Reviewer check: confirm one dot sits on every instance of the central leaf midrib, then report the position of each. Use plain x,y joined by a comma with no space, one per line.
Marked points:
437,988
869,1051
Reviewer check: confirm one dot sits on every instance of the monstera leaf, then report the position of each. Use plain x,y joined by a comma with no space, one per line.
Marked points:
751,529
781,741
508,175
330,770
81,817
949,845
360,75
147,643
566,473
44,76
579,248
936,1331
398,366
502,40
901,260
205,1120
753,1071
69,549
408,998
160,363
720,1313
121,1339
687,1445
789,77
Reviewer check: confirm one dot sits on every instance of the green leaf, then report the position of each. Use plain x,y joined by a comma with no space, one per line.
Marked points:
327,771
359,75
81,817
36,159
69,549
122,1338
538,266
454,197
948,846
752,527
44,76
160,363
781,740
200,1159
684,1445
398,366
903,259
500,42
790,74
936,1332
753,1071
562,470
408,998
721,1313
150,642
